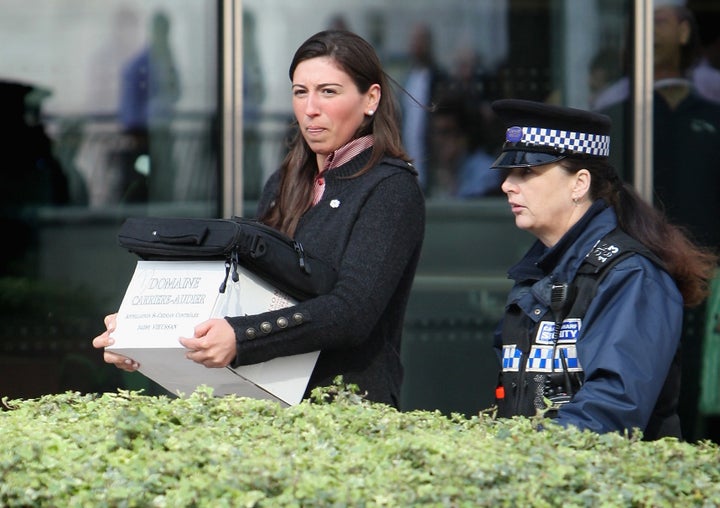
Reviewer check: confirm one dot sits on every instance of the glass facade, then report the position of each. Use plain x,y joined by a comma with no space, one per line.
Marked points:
110,110
121,108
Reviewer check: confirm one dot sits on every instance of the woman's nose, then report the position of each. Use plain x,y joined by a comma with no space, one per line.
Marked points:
507,185
311,108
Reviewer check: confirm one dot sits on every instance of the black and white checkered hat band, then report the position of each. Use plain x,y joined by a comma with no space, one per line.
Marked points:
597,145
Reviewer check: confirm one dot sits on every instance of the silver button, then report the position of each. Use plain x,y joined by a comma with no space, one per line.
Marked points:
282,322
266,327
297,317
537,312
251,333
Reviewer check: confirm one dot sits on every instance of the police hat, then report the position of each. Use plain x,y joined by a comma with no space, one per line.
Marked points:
541,133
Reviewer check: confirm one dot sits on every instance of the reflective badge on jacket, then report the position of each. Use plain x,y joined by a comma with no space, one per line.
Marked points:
541,357
511,358
568,331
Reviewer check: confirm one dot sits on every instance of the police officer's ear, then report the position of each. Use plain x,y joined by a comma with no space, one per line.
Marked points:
581,188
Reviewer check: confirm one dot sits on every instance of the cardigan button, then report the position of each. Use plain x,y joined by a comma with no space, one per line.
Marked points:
298,318
282,322
266,327
251,333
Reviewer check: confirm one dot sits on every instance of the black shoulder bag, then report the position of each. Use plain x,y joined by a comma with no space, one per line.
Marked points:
263,250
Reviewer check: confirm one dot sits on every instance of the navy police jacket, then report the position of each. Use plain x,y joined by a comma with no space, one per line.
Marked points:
619,352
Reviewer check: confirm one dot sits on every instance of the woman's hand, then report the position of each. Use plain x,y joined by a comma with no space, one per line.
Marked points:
103,340
213,344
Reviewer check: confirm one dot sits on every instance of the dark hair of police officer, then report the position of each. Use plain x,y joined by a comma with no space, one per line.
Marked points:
688,264
358,59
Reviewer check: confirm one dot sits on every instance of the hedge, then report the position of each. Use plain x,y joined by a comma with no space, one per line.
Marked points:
129,449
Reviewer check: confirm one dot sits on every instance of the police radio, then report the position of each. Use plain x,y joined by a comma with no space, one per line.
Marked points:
558,388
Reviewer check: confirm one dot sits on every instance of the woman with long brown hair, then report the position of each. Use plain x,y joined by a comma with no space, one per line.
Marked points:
347,193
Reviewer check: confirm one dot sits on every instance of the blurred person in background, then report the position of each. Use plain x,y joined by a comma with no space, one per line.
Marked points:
423,80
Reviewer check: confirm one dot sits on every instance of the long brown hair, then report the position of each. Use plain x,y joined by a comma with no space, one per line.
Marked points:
690,265
356,57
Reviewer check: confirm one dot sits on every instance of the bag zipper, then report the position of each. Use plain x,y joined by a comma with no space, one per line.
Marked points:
231,269
301,257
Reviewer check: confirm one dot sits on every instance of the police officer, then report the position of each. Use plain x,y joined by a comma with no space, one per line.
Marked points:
592,325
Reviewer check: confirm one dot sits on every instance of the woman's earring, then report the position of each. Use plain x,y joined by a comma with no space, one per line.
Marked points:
371,112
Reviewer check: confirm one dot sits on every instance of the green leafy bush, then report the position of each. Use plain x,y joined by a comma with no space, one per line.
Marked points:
129,449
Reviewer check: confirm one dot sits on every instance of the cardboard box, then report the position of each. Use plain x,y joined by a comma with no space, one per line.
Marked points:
166,299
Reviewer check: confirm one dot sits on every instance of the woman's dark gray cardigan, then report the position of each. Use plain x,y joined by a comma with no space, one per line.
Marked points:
370,228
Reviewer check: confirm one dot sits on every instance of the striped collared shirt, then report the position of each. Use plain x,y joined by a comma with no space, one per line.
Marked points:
339,157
